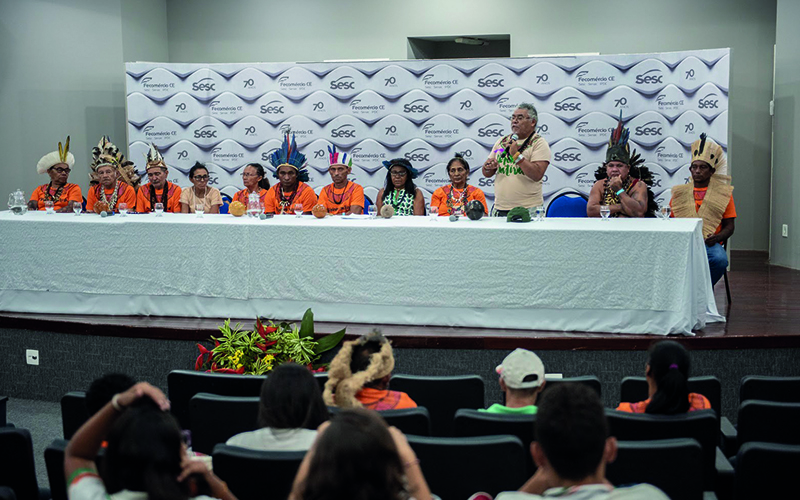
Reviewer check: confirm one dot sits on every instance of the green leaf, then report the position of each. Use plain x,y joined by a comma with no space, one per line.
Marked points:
307,326
328,342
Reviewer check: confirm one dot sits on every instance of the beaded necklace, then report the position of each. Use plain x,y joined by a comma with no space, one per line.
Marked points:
53,197
402,202
284,201
610,197
113,203
164,195
462,198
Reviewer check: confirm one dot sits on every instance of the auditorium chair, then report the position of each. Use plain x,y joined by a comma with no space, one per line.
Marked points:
766,470
702,425
3,411
589,381
768,421
778,389
415,421
17,467
214,419
469,423
73,412
183,384
568,204
442,396
455,468
254,474
54,462
660,463
226,203
7,493
321,378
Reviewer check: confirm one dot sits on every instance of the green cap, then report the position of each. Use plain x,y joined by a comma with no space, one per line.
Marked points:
518,214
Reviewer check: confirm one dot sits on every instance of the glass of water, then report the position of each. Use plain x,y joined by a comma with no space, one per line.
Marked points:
373,211
77,208
158,209
49,207
123,209
200,209
298,210
665,211
538,213
434,212
605,211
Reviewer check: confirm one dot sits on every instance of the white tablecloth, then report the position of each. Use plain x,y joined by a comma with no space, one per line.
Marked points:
627,276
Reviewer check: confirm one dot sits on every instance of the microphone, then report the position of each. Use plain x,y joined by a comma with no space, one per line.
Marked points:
514,137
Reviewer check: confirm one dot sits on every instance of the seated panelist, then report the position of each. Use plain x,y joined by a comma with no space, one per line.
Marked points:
454,197
56,164
159,189
342,197
291,189
400,191
108,168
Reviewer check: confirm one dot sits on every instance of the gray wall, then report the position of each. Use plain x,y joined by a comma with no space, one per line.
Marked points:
252,30
786,161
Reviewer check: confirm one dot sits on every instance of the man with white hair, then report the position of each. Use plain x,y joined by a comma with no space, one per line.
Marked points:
522,380
58,165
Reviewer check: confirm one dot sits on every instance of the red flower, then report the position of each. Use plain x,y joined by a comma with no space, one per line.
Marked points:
264,330
199,363
202,349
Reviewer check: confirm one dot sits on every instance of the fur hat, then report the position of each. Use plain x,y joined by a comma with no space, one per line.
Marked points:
342,385
705,149
55,157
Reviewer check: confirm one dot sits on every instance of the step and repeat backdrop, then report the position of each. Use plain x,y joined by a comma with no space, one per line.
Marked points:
228,115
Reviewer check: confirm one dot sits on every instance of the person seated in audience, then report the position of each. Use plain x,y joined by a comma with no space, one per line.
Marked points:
210,197
454,197
57,165
158,189
357,456
342,197
522,380
103,389
622,181
400,191
254,177
572,449
289,413
710,197
667,373
145,458
359,376
291,189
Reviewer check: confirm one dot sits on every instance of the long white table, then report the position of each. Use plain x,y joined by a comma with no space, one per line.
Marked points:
626,276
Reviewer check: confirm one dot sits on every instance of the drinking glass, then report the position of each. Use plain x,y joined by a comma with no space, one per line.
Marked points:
373,211
77,208
434,212
538,213
298,210
605,211
159,209
123,209
200,209
49,208
665,211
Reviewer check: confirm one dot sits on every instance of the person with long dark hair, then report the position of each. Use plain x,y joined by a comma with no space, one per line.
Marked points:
358,457
145,458
255,180
400,191
667,373
454,197
290,410
200,192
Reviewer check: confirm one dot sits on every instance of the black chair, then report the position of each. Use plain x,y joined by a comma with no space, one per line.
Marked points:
442,396
766,470
321,378
54,462
7,493
675,466
3,411
183,384
589,381
455,468
469,423
414,421
17,467
73,412
256,475
703,426
770,422
778,389
214,419
634,389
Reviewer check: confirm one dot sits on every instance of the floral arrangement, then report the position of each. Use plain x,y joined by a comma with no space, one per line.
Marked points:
268,345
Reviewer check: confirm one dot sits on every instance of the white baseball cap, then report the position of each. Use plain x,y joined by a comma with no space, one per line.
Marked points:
521,369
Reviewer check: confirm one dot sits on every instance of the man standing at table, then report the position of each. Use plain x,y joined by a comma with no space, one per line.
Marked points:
519,160
291,189
622,181
107,169
56,164
343,197
158,189
709,196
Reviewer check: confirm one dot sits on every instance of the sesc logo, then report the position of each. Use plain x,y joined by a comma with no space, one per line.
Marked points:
491,130
569,104
650,77
656,180
708,102
652,127
343,83
265,155
206,132
484,182
347,130
491,80
417,106
204,85
569,154
419,154
272,108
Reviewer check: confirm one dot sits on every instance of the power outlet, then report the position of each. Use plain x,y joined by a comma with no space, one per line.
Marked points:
785,230
32,356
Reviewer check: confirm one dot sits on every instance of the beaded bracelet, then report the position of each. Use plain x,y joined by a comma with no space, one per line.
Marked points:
620,192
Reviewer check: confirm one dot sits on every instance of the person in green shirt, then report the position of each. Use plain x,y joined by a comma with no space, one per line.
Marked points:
521,379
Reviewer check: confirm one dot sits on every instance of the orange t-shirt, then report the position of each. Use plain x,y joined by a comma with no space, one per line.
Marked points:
126,195
351,196
70,194
244,196
173,198
305,195
374,399
696,402
699,195
439,198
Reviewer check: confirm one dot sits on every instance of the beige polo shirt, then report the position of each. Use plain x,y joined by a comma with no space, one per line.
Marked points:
512,188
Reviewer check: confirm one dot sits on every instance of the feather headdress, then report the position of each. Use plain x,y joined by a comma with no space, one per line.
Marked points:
106,153
154,158
618,147
707,150
55,157
288,156
339,158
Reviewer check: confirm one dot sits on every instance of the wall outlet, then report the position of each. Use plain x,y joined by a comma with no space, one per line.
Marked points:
785,230
32,356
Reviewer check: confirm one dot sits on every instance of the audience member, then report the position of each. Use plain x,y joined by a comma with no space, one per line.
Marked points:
572,449
521,379
289,413
104,388
667,373
356,456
